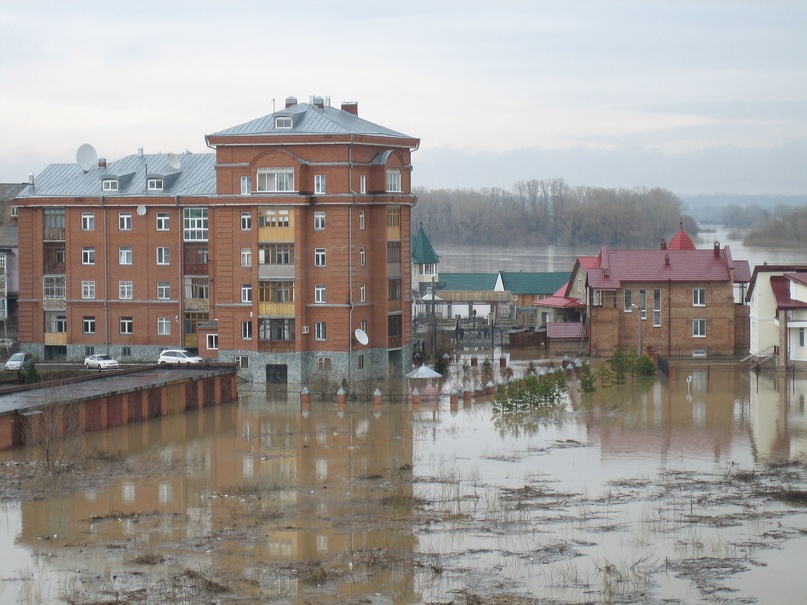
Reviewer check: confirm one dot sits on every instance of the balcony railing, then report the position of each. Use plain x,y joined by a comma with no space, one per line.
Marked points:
195,268
276,346
276,309
197,304
275,271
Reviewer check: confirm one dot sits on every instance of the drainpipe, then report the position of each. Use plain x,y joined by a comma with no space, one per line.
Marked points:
350,263
106,278
180,270
669,317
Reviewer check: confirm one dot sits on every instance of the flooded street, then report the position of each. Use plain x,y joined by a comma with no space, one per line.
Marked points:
689,491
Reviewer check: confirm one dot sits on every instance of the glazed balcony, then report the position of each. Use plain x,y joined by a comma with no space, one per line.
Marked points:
276,309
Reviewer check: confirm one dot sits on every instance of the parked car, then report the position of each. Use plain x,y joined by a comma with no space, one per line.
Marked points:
178,356
20,362
100,362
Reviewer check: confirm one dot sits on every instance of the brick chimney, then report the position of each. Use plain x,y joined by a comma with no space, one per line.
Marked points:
319,102
102,162
663,244
291,101
717,249
350,107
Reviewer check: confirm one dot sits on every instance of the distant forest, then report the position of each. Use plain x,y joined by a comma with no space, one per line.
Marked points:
780,226
550,212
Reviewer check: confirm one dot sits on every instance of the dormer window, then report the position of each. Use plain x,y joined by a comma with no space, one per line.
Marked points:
155,184
283,123
109,184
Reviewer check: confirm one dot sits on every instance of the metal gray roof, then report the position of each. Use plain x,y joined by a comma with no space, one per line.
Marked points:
310,119
195,176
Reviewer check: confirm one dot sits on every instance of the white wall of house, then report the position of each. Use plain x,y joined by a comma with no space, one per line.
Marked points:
762,315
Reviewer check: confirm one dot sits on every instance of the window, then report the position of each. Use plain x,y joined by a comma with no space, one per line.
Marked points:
360,362
246,221
87,221
125,290
324,364
163,255
643,303
88,325
319,330
699,297
164,326
154,185
283,122
195,224
126,326
394,181
393,252
430,269
656,308
276,254
125,221
53,225
394,289
275,180
276,291
363,293
125,255
319,257
242,362
89,351
273,218
163,290
246,257
212,342
163,221
88,290
628,301
394,325
246,293
54,286
801,337
363,185
246,185
362,257
394,216
126,351
699,328
88,256
319,294
246,330
197,288
109,184
276,329
319,221
319,184
361,220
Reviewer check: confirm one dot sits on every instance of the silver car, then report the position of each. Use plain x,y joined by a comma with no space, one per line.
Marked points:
178,356
20,362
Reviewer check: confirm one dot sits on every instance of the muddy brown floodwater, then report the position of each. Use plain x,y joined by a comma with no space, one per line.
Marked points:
656,491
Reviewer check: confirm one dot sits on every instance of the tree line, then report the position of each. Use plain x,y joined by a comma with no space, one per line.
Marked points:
540,212
782,226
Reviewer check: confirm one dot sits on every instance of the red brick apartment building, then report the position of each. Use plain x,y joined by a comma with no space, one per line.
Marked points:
677,299
272,253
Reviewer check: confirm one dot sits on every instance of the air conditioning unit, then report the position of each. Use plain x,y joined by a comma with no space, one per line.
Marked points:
306,329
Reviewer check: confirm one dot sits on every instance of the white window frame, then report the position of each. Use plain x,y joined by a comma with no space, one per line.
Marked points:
88,290
109,185
164,326
246,221
126,325
88,324
319,257
656,308
628,304
319,184
319,221
88,255
212,342
246,293
88,221
362,257
195,224
125,255
163,255
125,221
163,221
276,180
698,297
163,290
246,330
246,257
246,185
154,184
125,290
319,294
283,123
361,220
320,331
393,180
363,185
699,328
363,293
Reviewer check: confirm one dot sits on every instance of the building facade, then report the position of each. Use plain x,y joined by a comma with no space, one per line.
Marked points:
286,251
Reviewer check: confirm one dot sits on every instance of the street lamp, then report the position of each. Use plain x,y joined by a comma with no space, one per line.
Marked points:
640,327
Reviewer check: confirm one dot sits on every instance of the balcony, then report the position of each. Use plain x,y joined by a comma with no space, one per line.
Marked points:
394,306
276,234
195,268
197,304
276,346
393,269
276,309
394,342
266,271
55,338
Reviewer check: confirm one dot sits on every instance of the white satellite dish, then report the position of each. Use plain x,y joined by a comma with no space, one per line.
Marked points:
173,160
141,210
86,157
361,337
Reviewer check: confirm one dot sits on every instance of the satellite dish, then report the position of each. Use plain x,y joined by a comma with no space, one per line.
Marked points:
141,210
173,160
86,157
361,337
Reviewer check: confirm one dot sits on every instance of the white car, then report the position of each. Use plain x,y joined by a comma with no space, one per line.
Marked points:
100,362
20,362
178,356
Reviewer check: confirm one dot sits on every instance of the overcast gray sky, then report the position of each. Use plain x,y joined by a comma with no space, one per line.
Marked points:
694,96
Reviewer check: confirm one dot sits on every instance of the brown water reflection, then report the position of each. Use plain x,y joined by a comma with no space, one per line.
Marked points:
412,504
